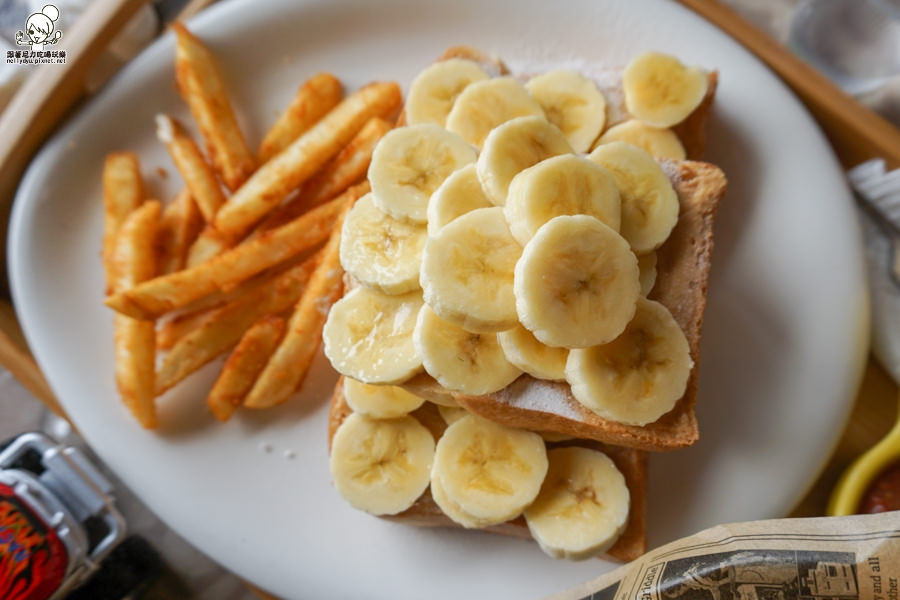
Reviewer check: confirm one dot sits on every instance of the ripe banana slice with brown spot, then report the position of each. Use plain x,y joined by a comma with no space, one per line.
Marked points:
573,103
380,251
661,91
472,363
513,147
639,376
582,507
577,283
381,466
408,165
649,202
489,472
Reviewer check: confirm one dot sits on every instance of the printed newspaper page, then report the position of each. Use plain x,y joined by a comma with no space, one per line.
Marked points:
833,558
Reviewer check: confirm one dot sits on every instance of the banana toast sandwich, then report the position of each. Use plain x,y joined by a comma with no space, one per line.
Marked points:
682,269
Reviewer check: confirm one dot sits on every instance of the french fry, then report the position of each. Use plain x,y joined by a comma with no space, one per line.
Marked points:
181,222
207,245
168,333
135,340
122,193
199,177
228,324
158,296
298,162
201,86
345,169
243,366
316,96
288,365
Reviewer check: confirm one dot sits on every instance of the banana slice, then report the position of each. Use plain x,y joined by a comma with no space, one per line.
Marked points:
577,283
380,251
368,336
661,91
409,163
489,471
573,103
452,509
561,185
459,194
656,141
523,350
379,401
467,272
434,90
484,105
649,202
452,414
639,376
381,466
583,505
647,267
472,363
512,148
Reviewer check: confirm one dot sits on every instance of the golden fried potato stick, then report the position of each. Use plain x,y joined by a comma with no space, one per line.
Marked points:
318,95
181,222
122,193
158,296
135,340
228,323
244,365
345,169
172,330
288,365
298,162
198,175
202,87
207,245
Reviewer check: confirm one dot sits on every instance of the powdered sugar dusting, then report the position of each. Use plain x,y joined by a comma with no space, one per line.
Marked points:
536,394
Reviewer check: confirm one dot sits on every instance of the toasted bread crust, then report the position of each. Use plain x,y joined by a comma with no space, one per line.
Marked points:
683,265
426,513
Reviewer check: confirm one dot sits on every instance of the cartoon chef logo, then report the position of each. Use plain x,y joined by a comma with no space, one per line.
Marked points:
39,29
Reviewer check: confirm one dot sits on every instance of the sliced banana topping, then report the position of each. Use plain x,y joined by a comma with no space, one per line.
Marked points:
434,90
649,202
459,194
647,267
453,510
472,363
573,103
583,505
661,91
381,466
484,105
379,401
452,414
512,148
488,471
408,165
656,141
368,336
561,185
524,350
380,251
467,272
639,376
577,283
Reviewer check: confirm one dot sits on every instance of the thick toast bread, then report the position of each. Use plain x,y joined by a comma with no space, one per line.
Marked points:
426,513
682,268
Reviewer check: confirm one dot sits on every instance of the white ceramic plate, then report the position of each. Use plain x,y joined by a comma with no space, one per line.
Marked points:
785,336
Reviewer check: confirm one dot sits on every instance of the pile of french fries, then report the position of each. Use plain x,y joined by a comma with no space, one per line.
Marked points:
245,257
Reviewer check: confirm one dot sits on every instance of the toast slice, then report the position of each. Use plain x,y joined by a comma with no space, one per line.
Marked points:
426,513
682,268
